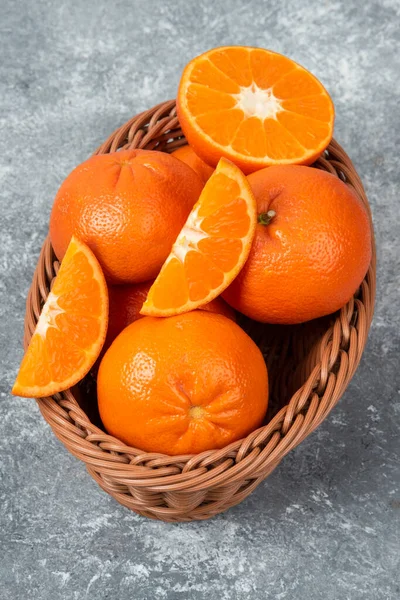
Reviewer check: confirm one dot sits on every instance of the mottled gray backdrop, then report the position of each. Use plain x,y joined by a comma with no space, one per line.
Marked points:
325,525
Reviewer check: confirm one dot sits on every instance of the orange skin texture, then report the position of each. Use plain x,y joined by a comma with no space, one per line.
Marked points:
125,304
220,307
313,255
126,301
183,384
188,156
128,207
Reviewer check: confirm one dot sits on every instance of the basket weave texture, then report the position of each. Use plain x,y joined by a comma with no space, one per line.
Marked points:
310,366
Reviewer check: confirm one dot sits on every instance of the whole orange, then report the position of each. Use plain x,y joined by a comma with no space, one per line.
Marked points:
183,384
128,207
188,156
311,250
126,301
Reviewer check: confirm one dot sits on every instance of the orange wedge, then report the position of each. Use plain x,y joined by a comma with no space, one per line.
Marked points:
71,329
255,107
211,248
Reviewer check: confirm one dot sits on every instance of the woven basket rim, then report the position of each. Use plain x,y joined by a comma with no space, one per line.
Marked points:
118,467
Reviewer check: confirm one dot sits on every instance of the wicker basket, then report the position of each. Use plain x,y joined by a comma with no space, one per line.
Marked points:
310,366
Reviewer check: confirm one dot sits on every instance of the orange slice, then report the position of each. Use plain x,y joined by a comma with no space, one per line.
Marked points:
255,107
211,248
71,328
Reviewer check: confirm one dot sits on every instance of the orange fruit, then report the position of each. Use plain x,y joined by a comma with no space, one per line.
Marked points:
255,107
126,302
71,328
311,249
211,248
182,385
128,206
188,156
220,307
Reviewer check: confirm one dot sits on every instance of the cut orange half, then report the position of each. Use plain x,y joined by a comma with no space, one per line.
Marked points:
211,248
255,107
71,328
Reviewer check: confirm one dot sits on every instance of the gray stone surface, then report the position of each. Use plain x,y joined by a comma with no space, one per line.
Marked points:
325,525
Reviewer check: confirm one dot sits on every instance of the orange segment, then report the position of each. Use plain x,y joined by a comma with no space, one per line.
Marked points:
233,62
82,331
222,251
177,292
250,138
317,107
223,191
280,141
202,99
298,83
71,328
221,125
239,102
202,275
268,67
208,74
82,296
230,221
304,129
211,248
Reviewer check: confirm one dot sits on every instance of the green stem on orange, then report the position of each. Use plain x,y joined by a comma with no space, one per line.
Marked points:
265,218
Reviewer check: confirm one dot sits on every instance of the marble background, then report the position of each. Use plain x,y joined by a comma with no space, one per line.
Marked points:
325,525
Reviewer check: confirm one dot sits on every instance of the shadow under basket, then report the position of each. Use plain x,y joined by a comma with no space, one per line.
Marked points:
310,366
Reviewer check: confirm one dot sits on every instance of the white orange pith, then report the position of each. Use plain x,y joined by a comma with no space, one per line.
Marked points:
71,328
211,248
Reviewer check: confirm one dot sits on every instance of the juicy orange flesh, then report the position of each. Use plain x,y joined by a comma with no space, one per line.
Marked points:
222,252
73,330
300,114
210,245
202,271
230,221
171,287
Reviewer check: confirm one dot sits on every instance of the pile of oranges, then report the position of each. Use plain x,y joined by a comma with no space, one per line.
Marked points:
159,251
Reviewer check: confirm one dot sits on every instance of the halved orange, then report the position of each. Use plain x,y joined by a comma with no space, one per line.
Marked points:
211,248
71,328
255,107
